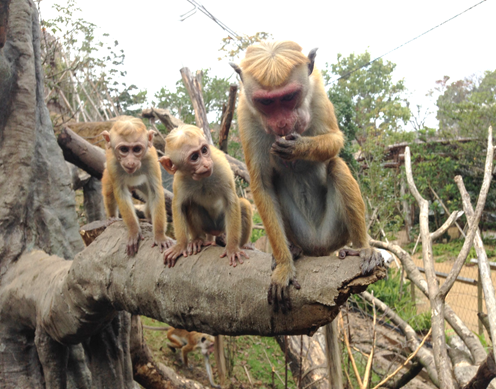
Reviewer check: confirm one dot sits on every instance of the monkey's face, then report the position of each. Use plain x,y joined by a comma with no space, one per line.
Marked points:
206,344
198,162
129,155
282,110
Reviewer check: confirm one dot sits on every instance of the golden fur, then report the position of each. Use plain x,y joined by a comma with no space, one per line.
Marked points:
271,63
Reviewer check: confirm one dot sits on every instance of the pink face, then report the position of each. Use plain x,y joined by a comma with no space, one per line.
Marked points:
199,162
130,154
280,109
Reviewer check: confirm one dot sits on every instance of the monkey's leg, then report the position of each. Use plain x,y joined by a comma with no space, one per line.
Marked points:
184,354
354,213
246,221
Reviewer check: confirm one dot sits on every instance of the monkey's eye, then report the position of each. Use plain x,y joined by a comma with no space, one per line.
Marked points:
203,339
265,101
204,150
137,149
124,149
289,97
194,156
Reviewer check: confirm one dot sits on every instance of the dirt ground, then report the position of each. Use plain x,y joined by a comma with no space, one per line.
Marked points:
462,297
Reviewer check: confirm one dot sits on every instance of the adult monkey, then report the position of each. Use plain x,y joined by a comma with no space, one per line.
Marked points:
306,196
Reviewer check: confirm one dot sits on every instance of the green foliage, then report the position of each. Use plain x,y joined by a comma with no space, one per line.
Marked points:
256,234
234,46
81,70
215,94
371,109
379,105
397,296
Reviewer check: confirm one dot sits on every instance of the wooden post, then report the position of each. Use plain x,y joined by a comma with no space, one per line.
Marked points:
194,90
480,297
227,118
220,358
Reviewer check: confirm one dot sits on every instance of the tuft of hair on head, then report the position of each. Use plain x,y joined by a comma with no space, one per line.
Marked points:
181,135
271,63
126,125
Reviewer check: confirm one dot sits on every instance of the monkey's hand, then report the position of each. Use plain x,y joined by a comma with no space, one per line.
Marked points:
280,281
371,258
163,242
133,243
234,255
174,252
288,147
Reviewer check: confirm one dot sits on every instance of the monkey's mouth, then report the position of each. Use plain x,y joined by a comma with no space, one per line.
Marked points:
130,170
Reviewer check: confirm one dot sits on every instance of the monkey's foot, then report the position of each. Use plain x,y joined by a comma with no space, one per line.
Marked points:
371,258
278,293
163,242
174,252
234,255
195,246
248,246
133,243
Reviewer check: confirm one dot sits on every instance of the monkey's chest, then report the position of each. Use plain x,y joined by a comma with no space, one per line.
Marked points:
134,181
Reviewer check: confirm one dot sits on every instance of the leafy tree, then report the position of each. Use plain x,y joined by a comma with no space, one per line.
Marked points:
371,109
84,75
215,94
234,46
379,104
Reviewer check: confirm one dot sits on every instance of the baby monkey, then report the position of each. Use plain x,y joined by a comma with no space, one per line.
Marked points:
189,341
205,202
132,163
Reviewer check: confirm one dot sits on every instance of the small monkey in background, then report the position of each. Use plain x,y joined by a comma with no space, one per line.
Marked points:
306,196
189,341
205,202
132,163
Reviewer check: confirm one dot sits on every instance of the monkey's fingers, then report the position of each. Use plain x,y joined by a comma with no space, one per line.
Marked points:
343,253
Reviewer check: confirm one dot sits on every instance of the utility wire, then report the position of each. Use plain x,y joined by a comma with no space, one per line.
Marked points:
411,40
202,9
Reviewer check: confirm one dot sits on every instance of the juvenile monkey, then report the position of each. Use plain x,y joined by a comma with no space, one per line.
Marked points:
205,202
189,341
306,196
132,163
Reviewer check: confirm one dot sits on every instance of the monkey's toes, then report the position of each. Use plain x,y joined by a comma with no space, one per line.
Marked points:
371,259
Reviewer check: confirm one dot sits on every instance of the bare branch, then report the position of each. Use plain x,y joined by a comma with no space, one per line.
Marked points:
447,224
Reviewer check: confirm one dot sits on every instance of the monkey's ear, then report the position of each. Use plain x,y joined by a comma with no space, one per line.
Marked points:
237,69
311,56
106,136
166,162
151,133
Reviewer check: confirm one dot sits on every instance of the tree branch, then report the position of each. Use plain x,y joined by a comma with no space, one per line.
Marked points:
71,300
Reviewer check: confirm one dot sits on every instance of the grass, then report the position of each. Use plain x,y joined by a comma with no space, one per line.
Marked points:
258,354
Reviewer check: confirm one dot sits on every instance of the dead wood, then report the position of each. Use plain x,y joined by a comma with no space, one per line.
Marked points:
485,374
85,294
193,86
170,122
81,153
227,117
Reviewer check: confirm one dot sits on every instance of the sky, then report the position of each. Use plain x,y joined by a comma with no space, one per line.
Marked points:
157,44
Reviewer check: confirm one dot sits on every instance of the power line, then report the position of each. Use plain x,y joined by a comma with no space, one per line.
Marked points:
202,9
396,48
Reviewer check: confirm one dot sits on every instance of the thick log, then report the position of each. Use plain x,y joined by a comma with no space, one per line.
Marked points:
193,86
227,117
71,300
170,122
81,153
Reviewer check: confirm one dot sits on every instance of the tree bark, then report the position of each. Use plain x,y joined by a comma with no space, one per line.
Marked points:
227,118
81,153
194,90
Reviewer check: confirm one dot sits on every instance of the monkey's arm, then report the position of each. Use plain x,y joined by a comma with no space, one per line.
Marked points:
180,229
319,148
126,208
157,207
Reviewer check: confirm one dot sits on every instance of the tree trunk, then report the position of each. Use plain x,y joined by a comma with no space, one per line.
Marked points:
227,117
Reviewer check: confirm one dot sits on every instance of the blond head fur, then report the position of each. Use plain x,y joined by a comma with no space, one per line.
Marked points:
271,63
126,125
180,135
